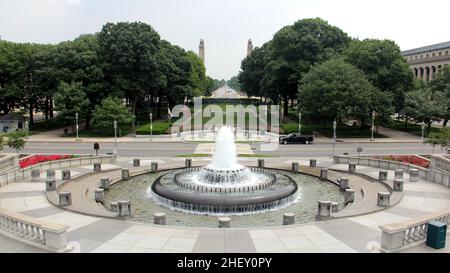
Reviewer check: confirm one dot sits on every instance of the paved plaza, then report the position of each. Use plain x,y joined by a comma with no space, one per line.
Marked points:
96,234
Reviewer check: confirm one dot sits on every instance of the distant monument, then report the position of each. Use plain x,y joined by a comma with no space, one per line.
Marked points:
201,50
249,47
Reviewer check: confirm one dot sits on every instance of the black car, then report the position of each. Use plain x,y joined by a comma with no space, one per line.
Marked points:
296,138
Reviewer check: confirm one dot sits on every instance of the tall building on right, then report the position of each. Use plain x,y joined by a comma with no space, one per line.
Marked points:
249,47
427,61
201,50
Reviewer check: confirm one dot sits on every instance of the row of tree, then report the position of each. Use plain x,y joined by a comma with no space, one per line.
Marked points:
128,61
327,74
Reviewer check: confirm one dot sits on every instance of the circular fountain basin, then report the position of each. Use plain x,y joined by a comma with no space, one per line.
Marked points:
265,190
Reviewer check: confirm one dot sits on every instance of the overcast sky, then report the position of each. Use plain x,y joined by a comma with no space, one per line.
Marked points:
226,25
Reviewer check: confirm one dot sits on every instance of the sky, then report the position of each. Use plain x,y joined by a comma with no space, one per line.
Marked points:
226,25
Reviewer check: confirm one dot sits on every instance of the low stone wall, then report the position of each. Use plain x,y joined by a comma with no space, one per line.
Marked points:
14,174
433,175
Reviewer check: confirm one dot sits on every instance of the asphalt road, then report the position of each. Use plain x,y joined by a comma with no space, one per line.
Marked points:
171,149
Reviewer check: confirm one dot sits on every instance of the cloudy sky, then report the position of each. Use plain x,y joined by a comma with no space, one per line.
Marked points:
226,25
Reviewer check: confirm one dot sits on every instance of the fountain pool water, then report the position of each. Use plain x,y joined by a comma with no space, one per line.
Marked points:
225,186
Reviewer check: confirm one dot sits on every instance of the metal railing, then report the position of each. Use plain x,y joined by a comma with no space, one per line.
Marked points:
15,174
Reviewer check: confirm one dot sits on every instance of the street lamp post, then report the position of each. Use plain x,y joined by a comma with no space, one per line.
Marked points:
373,125
76,123
423,132
299,124
334,134
26,129
151,124
115,137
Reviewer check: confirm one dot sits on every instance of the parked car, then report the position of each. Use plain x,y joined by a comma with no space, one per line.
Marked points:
296,138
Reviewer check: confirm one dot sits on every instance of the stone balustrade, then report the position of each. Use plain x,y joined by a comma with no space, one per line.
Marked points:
400,236
34,232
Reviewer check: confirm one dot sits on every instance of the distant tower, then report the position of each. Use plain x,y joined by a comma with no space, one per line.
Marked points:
201,50
249,47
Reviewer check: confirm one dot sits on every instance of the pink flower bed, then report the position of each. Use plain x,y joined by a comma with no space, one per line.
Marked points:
36,159
411,159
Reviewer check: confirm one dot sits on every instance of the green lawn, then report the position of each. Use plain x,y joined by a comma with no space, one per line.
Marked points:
412,128
159,128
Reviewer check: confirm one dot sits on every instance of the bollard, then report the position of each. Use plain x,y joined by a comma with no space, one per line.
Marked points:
294,167
384,199
398,185
413,175
324,209
349,196
99,195
113,206
136,162
159,218
224,222
50,184
260,163
288,219
105,183
154,167
65,175
35,175
65,198
124,208
334,207
383,175
97,167
312,163
352,168
398,174
125,174
343,183
188,162
50,174
323,174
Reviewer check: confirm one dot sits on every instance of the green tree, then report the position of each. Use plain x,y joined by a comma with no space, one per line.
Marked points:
109,110
442,138
424,106
384,66
128,51
2,142
233,82
441,84
294,50
337,90
250,78
16,140
71,99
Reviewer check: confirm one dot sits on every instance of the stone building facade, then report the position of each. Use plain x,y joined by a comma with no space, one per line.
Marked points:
201,50
427,61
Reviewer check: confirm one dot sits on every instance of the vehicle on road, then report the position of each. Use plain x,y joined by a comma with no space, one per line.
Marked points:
297,139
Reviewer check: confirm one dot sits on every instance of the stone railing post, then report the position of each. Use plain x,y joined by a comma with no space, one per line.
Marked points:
99,195
125,174
154,167
323,174
398,185
224,222
352,168
97,167
260,163
383,175
136,162
159,218
384,199
324,209
413,175
124,208
288,219
294,167
392,237
188,163
349,196
343,183
65,175
105,183
65,198
312,162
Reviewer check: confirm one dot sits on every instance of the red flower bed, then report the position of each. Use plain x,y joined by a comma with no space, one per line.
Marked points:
36,159
411,159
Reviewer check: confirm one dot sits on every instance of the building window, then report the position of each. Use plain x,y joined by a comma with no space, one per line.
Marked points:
440,53
416,57
434,54
427,56
446,52
421,56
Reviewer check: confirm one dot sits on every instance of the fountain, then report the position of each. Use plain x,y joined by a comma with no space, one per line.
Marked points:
224,186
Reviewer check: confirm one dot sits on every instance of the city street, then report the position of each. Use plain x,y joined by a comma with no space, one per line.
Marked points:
176,148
